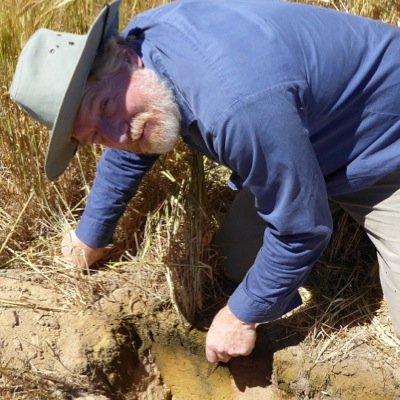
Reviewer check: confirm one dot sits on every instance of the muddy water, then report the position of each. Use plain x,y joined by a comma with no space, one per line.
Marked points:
190,377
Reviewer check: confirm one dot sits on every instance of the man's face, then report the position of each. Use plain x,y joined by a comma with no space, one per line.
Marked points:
132,111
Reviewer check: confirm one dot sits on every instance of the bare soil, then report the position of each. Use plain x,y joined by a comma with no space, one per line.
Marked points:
114,340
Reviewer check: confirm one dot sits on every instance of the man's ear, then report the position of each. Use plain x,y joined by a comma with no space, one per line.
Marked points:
131,57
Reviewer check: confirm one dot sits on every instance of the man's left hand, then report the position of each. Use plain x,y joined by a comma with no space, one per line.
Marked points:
229,337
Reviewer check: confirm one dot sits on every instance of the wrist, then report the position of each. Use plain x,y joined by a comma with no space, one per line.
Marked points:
239,321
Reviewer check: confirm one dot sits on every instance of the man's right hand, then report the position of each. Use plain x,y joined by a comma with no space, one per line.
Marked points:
79,253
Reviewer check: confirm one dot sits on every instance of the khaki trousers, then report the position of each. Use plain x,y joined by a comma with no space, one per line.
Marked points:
376,208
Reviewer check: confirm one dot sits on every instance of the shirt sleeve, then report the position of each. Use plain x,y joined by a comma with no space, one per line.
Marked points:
118,176
265,140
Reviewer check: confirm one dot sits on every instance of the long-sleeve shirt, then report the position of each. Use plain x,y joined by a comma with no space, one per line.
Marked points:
300,102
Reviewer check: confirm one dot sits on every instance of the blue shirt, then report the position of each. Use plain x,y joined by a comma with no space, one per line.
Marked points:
301,102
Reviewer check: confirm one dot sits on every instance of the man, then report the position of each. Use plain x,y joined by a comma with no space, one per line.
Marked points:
301,103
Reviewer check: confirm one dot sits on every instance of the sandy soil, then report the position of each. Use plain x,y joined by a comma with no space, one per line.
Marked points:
117,343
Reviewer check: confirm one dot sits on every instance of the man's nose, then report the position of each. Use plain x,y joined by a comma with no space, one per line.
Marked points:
113,131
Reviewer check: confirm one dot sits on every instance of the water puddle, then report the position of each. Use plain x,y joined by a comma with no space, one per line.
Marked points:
189,376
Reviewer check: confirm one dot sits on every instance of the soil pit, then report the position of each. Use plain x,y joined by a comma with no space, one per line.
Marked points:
116,343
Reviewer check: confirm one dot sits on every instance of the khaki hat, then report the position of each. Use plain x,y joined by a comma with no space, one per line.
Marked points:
50,79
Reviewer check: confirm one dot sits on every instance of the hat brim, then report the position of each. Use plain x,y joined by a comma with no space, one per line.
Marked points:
61,149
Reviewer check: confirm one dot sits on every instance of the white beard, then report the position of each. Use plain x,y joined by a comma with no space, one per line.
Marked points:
155,130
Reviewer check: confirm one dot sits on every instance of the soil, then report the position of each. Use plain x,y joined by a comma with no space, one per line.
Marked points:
113,340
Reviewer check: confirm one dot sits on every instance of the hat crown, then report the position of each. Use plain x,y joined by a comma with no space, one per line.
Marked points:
49,60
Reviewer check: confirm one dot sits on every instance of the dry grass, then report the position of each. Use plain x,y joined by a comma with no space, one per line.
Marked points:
168,231
33,222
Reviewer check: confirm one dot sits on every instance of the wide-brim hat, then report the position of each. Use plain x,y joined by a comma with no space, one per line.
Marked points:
50,78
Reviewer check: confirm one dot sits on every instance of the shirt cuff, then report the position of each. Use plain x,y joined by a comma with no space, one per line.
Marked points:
248,309
94,233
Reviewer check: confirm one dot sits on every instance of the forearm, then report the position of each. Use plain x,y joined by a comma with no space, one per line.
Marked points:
118,176
270,289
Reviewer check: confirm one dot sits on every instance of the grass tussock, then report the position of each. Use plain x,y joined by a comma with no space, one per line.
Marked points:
167,231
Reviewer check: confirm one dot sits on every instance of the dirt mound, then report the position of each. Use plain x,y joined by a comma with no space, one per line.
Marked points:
63,352
363,374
